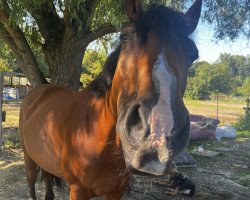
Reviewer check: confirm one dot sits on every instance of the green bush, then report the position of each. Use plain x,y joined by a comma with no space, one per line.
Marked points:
243,124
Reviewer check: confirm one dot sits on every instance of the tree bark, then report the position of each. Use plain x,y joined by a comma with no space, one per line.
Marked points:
64,55
65,61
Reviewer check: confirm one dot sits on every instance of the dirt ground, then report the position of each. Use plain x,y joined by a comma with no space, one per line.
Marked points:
225,176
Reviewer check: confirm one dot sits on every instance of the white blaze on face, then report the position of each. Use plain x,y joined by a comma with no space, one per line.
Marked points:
161,119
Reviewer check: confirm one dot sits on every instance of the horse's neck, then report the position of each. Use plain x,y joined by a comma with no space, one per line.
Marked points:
98,113
99,128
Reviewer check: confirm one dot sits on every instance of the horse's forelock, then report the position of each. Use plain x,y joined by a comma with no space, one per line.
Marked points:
165,21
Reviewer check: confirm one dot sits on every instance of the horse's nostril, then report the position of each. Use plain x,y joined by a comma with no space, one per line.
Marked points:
135,124
133,118
148,158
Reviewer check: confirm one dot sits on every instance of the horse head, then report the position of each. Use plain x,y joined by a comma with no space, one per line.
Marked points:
149,83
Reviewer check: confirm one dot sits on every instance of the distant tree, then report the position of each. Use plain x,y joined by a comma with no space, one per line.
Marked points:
7,57
221,80
192,70
198,81
92,65
245,88
4,66
239,65
207,79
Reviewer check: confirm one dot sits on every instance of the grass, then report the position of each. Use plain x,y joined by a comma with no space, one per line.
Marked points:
243,134
10,126
12,114
229,110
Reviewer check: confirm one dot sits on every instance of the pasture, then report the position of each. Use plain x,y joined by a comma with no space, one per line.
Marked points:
229,109
225,176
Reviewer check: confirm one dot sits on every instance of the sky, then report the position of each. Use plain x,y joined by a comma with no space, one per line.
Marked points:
209,49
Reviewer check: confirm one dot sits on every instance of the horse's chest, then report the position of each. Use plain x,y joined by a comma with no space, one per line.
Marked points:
109,180
103,175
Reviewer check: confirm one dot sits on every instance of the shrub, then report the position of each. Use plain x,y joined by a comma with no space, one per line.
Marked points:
243,124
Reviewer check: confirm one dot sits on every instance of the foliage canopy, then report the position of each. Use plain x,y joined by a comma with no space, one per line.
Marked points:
230,74
40,33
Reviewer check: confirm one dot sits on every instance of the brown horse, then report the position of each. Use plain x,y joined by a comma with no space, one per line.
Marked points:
130,119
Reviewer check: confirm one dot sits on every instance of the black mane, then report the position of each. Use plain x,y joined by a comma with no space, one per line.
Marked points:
99,86
166,22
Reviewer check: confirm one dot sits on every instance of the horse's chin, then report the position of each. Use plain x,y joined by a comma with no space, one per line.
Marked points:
151,169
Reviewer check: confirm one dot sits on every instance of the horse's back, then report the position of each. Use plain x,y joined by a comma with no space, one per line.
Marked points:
42,119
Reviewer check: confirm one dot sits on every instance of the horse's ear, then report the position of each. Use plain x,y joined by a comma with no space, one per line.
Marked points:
192,16
133,9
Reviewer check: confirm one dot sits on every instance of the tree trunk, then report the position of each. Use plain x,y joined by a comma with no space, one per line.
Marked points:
65,40
65,61
14,37
30,67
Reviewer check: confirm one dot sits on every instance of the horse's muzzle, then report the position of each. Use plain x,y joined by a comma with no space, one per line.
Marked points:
145,151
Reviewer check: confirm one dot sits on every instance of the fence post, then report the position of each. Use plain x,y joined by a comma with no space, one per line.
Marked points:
217,106
247,108
1,110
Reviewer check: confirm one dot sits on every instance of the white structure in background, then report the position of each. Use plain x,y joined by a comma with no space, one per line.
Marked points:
227,131
10,93
12,86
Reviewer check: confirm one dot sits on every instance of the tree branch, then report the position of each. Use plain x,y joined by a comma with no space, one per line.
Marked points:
81,20
17,42
50,25
90,10
5,6
101,31
10,42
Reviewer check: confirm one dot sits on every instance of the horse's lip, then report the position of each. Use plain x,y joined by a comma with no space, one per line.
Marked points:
166,167
141,172
174,134
173,141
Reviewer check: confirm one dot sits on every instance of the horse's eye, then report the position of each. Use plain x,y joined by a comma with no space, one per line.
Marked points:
124,37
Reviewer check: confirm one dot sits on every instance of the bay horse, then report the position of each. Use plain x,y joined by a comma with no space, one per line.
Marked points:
130,119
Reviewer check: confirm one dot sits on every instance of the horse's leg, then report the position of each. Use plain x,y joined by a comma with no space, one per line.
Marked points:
48,178
115,196
31,171
79,193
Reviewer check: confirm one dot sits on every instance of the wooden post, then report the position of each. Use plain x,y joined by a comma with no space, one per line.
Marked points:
217,106
247,108
1,110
